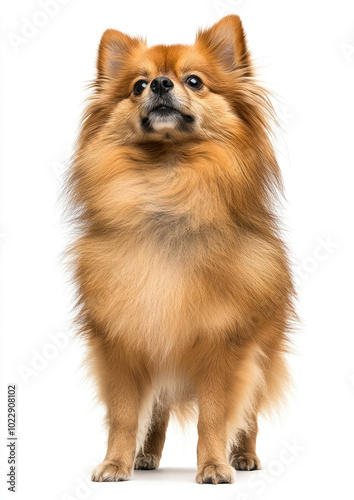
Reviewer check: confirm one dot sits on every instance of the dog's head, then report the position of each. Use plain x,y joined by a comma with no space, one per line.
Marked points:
171,93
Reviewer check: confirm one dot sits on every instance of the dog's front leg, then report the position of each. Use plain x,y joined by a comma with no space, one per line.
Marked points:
122,394
215,401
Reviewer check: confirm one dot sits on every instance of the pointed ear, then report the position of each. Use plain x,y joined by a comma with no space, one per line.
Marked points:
114,48
227,42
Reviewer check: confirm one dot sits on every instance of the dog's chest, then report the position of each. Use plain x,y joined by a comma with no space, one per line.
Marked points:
176,212
168,266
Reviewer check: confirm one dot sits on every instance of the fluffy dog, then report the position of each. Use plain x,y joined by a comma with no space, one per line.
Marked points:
184,291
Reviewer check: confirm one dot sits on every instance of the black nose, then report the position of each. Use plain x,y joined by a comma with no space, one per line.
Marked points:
161,85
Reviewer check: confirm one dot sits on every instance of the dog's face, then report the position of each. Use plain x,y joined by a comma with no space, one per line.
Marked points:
172,93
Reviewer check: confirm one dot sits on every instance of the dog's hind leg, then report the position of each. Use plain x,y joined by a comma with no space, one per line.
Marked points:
243,455
149,457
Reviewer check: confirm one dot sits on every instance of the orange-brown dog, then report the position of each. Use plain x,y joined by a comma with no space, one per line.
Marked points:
184,290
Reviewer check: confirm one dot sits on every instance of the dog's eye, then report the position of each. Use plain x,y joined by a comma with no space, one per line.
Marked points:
140,86
194,82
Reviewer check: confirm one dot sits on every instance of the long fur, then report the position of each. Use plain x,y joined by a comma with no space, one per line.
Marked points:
180,270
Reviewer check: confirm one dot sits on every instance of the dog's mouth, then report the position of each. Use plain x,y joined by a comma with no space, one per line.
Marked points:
165,113
163,109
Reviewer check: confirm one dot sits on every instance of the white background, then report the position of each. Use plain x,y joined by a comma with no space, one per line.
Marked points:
305,53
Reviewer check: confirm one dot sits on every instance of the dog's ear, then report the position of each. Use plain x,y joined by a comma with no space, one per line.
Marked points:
114,48
227,42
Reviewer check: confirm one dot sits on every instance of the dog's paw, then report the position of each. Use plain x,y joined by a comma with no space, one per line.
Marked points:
110,471
146,461
215,474
245,461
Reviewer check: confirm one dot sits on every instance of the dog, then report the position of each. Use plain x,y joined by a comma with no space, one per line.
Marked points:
184,289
